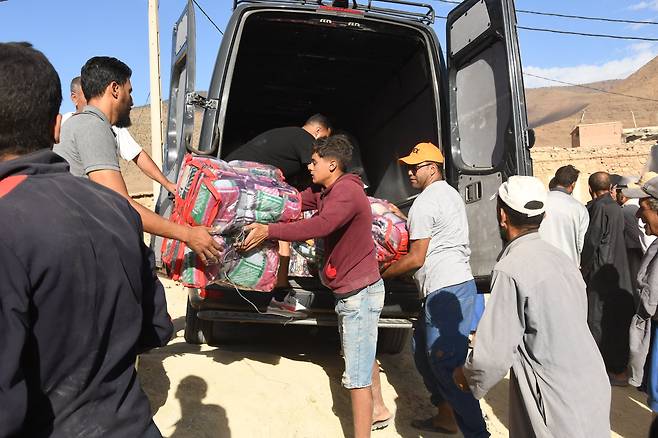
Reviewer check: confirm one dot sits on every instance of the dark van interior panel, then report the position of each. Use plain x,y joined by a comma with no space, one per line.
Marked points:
372,78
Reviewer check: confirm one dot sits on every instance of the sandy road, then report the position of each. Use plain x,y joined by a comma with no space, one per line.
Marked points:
285,382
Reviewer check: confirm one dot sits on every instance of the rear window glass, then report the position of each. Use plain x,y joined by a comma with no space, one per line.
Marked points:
483,110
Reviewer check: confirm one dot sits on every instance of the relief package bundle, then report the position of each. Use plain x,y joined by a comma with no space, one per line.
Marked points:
255,270
306,257
389,233
213,193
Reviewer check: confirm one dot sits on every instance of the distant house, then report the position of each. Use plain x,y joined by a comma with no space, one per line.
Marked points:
596,134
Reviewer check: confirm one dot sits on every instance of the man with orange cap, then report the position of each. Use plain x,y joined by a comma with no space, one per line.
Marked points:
439,254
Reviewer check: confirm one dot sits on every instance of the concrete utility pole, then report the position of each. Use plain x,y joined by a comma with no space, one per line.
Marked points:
156,100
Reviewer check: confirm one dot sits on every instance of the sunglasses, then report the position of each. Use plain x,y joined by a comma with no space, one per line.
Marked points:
414,169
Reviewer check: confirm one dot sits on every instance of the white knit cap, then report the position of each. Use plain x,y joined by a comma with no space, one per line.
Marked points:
525,194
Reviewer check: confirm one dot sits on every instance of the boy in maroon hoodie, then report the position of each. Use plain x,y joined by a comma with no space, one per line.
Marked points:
350,270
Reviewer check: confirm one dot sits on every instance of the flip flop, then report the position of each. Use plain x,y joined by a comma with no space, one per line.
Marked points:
381,424
427,425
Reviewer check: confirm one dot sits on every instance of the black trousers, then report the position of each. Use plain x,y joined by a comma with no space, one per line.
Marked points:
609,318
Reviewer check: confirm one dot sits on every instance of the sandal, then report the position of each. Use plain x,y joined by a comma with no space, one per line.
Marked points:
381,424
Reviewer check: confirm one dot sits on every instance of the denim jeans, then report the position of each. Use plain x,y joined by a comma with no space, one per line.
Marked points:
358,318
440,345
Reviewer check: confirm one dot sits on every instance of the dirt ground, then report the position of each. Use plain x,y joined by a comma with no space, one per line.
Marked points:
285,382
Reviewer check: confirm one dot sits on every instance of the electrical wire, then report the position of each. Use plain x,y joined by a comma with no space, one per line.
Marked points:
574,17
595,35
208,17
589,87
565,32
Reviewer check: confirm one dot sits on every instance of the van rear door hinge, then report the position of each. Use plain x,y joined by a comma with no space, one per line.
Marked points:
203,102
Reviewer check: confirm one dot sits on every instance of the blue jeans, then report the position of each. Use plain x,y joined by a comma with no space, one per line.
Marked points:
478,311
440,345
358,318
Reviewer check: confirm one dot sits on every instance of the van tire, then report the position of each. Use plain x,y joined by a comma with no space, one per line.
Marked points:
393,340
223,333
196,330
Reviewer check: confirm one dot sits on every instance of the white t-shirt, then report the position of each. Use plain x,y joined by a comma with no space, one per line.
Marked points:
128,147
439,214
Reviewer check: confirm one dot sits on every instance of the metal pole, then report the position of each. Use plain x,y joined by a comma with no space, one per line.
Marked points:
156,100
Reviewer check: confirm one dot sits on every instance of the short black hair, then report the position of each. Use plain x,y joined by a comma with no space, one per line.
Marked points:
566,175
520,220
101,71
76,84
599,181
552,184
319,119
337,147
30,96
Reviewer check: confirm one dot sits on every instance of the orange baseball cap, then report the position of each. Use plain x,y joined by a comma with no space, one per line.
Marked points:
423,152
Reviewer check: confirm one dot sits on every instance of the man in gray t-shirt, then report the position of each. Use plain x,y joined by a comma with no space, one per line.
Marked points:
89,146
91,129
439,252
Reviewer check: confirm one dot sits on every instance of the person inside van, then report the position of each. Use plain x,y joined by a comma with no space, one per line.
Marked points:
289,149
439,253
350,270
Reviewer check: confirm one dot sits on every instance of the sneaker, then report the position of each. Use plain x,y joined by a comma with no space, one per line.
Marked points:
292,303
289,308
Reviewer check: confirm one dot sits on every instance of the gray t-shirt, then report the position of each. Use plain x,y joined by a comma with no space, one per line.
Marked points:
88,143
439,214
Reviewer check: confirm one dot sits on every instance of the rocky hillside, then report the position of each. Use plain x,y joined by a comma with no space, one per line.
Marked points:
554,111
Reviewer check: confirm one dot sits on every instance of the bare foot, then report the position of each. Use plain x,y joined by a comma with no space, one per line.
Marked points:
381,414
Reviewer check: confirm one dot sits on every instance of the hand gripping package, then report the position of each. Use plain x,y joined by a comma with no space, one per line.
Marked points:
225,198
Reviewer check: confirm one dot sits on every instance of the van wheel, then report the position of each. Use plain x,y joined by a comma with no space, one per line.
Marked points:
196,330
393,341
223,333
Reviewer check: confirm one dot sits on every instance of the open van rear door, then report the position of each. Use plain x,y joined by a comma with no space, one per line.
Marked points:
180,114
488,121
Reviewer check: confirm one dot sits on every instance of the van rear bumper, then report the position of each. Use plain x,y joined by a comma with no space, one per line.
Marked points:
218,303
315,320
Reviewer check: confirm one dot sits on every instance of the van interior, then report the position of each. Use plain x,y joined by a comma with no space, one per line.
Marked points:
372,78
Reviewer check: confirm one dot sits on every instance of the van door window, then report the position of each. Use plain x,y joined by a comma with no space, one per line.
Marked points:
483,110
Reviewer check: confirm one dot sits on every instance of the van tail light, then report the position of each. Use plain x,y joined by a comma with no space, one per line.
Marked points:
211,294
337,9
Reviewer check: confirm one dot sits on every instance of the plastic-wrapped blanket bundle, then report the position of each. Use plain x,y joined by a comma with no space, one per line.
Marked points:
254,270
257,170
389,232
213,193
227,198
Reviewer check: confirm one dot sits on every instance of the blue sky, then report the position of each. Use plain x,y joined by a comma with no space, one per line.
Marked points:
69,32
